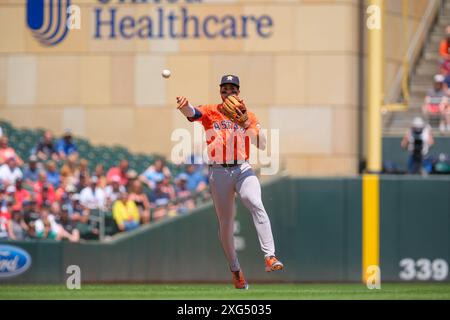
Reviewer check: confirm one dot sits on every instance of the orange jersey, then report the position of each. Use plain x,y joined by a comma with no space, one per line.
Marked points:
226,141
444,48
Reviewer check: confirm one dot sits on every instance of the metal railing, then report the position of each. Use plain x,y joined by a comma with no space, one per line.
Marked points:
415,48
98,216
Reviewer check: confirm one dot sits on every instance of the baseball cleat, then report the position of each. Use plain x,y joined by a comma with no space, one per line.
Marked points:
272,264
239,280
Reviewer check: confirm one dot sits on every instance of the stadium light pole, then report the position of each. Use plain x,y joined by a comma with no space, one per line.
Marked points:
371,186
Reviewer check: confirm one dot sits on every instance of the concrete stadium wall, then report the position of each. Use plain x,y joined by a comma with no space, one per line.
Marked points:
302,79
317,226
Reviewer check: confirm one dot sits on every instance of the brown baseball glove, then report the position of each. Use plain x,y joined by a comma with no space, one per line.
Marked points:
234,108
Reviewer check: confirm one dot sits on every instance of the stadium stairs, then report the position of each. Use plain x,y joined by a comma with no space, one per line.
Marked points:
395,123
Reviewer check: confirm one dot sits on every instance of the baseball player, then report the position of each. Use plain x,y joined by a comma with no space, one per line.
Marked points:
230,128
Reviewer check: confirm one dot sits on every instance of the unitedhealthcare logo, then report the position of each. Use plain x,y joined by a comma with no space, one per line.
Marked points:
51,20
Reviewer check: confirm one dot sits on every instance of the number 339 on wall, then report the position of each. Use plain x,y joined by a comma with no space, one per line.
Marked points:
423,269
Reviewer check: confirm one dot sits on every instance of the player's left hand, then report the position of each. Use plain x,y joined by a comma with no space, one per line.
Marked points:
235,109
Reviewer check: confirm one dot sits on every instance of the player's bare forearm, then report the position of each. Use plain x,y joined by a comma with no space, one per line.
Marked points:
185,107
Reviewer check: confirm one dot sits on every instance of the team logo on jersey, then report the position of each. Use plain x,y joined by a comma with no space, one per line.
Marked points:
48,20
227,125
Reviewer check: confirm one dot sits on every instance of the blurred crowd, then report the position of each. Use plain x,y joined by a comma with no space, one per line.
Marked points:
53,194
418,139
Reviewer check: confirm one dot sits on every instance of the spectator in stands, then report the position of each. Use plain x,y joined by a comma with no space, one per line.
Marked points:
120,171
442,165
159,200
196,180
10,191
68,227
444,46
61,191
66,231
66,147
154,173
46,197
53,175
93,197
436,102
7,152
80,213
31,171
17,228
168,188
83,182
43,191
20,195
55,210
417,140
444,68
10,172
5,214
83,168
30,215
125,213
113,191
182,192
132,176
141,200
100,174
66,199
70,172
46,226
45,148
447,82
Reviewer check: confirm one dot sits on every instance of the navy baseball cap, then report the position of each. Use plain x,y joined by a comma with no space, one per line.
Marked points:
229,78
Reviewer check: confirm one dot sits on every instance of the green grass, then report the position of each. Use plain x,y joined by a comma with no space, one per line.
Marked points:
226,291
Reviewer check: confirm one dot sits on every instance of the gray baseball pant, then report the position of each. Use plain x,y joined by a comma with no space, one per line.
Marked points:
224,182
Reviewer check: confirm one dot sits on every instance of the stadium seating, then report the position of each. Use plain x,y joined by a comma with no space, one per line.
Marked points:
24,140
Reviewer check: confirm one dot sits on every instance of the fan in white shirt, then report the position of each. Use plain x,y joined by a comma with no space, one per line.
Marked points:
10,172
93,197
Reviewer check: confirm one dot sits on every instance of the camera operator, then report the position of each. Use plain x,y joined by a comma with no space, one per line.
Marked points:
417,140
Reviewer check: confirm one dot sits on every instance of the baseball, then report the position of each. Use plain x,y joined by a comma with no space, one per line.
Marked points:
166,73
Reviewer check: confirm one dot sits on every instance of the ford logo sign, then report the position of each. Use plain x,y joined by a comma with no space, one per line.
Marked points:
13,261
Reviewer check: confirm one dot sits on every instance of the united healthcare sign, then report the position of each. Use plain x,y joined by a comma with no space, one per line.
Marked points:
51,21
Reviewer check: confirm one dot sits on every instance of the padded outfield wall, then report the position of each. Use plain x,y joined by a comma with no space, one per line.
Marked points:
316,225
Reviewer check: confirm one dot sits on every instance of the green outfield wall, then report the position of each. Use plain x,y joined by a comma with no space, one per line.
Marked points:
317,228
